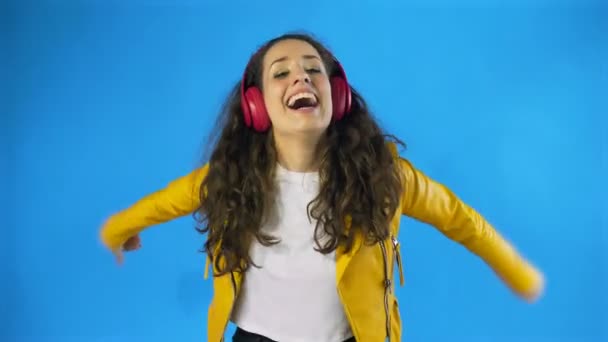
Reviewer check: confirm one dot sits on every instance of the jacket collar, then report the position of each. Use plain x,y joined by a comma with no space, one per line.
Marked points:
344,258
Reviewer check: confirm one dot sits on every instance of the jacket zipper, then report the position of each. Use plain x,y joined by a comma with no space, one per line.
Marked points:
398,259
233,282
387,289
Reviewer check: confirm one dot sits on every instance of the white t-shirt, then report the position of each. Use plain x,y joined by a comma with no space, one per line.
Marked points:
293,296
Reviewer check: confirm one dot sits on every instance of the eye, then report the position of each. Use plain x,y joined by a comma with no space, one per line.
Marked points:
281,74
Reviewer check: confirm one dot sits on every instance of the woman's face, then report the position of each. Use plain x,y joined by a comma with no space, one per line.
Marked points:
296,89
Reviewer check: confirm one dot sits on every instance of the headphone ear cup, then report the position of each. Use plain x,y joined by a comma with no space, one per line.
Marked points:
256,115
341,97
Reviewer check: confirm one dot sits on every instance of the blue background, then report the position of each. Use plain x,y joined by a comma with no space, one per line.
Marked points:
105,101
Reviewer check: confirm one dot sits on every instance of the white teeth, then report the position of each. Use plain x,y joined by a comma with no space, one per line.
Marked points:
298,96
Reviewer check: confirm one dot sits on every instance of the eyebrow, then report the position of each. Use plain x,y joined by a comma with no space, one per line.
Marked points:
285,58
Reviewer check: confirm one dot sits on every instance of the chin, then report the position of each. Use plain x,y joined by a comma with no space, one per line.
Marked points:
311,121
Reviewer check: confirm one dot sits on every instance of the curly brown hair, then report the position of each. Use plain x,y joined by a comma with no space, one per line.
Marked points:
358,178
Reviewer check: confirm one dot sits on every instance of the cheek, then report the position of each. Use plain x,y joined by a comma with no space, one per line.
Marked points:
273,98
325,89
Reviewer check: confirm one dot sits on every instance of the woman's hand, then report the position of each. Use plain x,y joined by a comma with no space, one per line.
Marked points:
132,244
538,290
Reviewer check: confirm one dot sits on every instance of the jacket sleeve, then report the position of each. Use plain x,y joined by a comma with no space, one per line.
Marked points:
433,203
179,198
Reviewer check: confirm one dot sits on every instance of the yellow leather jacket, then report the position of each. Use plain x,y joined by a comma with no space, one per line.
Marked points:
364,276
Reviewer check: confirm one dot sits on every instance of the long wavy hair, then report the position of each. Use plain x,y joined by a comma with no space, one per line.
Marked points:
358,178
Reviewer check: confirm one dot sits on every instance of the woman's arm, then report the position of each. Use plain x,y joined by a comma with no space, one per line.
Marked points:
180,197
431,202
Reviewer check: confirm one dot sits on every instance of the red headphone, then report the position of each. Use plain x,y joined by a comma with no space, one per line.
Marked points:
256,115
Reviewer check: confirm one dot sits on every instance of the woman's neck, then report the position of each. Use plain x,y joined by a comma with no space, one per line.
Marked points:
299,155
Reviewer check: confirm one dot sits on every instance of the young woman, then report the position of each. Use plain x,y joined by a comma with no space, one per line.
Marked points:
301,202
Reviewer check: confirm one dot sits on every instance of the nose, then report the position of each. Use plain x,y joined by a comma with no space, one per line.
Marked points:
301,76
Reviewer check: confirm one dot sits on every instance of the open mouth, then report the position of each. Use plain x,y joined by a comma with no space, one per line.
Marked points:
303,101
